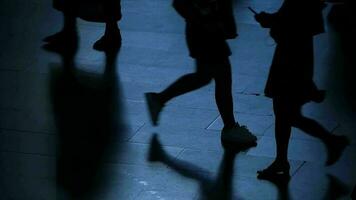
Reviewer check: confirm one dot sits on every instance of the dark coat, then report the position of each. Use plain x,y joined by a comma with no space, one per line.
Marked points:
209,25
91,10
296,18
291,72
293,28
205,45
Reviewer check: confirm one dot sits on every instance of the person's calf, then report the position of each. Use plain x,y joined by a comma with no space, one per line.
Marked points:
109,41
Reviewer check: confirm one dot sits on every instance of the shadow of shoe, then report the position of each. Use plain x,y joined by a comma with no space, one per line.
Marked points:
156,152
214,188
282,184
335,149
64,44
336,188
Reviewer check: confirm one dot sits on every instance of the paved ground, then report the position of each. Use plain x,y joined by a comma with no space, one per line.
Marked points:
37,98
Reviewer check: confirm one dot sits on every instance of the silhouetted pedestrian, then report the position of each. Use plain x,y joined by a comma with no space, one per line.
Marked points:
208,25
290,81
105,11
87,116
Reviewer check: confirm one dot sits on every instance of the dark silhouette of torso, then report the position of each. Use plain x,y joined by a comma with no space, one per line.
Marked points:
293,28
208,25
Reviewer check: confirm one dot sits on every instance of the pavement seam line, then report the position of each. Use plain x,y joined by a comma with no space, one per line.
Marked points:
296,171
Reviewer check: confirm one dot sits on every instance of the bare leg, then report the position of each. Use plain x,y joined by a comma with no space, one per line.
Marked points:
68,32
313,128
186,83
334,144
111,28
70,23
223,96
284,113
111,40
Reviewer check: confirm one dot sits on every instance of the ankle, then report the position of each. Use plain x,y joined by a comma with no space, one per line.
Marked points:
281,161
69,31
329,139
228,126
112,33
160,99
112,30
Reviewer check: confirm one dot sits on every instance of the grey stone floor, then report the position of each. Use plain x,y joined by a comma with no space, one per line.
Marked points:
153,55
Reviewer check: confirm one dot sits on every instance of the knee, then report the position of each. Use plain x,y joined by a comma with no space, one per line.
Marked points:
295,118
287,113
203,78
206,80
283,118
299,120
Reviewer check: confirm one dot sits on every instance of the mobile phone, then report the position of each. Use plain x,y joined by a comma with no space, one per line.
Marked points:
252,10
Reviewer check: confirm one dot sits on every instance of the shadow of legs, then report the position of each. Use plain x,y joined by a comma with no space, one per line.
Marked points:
335,145
336,188
218,188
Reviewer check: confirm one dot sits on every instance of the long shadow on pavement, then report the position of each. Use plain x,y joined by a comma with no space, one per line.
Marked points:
211,188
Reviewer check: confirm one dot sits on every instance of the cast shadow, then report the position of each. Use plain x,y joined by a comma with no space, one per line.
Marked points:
211,188
342,25
221,187
336,188
102,11
282,185
283,189
88,119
